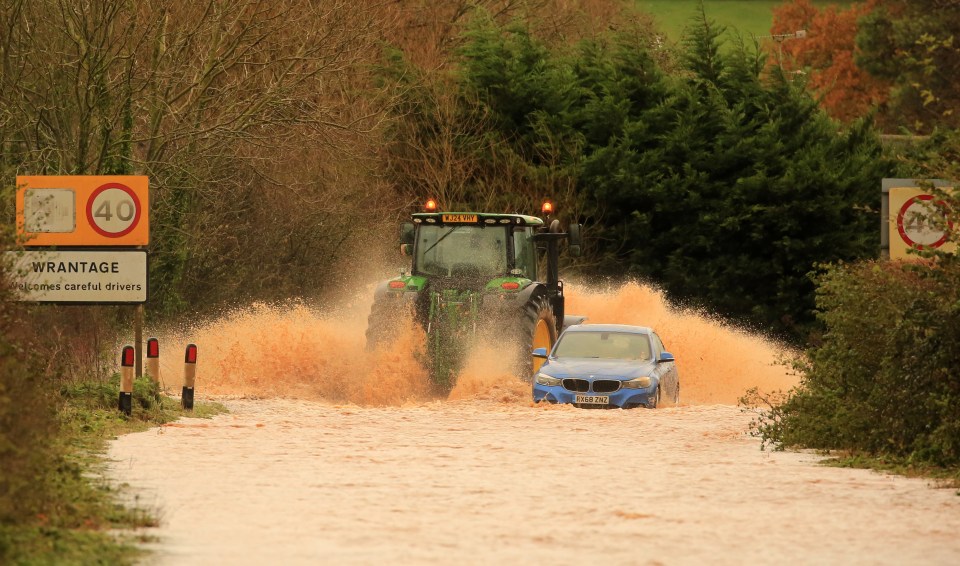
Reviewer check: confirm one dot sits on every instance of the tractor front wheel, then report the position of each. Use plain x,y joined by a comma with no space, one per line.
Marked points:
539,330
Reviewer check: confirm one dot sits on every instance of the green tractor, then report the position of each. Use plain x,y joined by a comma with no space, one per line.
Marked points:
475,275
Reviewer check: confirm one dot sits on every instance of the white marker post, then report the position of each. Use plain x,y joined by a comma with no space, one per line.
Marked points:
126,380
189,376
153,359
153,362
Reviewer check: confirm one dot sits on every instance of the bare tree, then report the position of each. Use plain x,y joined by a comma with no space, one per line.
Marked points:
210,99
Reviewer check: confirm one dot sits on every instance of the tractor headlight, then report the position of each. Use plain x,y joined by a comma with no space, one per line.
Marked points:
638,383
549,381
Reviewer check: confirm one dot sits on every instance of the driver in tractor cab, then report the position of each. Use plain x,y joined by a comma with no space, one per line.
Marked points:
487,254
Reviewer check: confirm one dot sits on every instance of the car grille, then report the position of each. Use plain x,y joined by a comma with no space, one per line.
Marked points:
599,385
578,385
606,385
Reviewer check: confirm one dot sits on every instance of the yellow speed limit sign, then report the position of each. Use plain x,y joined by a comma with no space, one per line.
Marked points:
83,210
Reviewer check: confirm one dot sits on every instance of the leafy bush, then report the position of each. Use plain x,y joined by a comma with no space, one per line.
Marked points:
28,424
739,193
885,381
27,428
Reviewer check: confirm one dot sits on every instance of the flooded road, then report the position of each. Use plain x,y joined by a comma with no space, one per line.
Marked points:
486,482
332,456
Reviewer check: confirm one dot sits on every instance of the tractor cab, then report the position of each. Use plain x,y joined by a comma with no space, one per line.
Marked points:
473,245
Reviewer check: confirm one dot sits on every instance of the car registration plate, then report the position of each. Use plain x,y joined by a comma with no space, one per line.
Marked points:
593,399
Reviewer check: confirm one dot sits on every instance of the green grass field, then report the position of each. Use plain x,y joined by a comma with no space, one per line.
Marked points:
745,17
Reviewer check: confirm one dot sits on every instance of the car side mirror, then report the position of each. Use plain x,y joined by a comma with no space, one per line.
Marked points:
665,357
407,233
539,353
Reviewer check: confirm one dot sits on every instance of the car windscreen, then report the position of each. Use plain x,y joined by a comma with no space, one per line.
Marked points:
603,345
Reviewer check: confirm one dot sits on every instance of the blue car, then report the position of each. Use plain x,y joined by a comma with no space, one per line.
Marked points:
602,366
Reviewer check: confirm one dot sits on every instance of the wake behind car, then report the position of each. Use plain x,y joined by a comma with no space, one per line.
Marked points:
607,366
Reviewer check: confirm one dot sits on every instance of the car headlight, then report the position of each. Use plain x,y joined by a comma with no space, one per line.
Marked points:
544,379
638,383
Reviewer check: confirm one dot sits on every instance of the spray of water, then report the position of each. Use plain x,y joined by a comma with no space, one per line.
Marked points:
488,375
298,351
294,350
717,362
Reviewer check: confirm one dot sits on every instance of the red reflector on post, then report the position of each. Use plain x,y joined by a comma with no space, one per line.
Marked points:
153,348
510,285
397,284
191,355
126,358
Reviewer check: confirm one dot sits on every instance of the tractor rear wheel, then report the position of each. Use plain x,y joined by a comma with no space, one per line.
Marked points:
538,330
385,320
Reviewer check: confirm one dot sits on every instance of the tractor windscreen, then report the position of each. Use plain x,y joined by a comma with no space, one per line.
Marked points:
452,251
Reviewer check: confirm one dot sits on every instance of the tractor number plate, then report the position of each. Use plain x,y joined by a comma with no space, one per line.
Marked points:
593,399
459,217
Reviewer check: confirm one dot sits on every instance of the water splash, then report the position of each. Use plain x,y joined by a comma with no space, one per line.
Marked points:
298,351
717,362
487,375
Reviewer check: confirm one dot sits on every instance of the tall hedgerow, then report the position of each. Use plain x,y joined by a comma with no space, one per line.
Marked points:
28,425
746,189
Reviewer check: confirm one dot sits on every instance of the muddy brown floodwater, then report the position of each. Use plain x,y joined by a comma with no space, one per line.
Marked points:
330,455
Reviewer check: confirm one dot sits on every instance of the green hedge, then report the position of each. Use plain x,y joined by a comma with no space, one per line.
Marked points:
28,423
885,378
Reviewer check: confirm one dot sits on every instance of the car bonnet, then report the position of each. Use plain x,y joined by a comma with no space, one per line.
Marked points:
587,367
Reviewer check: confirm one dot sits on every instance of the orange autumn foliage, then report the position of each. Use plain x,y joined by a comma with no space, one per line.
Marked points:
827,54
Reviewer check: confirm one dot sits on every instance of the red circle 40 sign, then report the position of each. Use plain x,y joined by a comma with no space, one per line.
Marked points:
113,210
915,225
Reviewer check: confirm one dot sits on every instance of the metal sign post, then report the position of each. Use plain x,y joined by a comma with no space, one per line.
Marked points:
138,339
